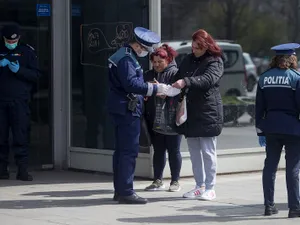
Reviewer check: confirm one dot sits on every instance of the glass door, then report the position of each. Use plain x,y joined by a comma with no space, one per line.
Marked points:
34,18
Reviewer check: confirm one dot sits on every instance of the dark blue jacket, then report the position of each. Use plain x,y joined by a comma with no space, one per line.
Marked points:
126,77
18,85
278,102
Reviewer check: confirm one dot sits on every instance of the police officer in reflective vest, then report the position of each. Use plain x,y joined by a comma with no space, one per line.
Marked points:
278,124
18,73
127,88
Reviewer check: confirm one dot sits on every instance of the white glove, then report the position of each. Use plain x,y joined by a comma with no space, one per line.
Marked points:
171,92
162,89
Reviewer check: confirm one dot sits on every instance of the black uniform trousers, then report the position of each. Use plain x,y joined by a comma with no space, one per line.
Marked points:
127,134
14,117
274,146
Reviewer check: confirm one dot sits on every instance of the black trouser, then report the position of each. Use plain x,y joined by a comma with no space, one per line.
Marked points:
14,116
161,144
274,145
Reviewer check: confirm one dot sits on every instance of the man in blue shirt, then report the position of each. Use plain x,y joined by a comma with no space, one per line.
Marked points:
127,90
278,124
18,73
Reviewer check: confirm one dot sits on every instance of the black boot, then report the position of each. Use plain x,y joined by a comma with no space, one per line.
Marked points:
270,210
294,213
4,174
132,199
23,174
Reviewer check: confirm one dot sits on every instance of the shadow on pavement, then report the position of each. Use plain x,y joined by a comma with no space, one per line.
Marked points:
58,177
234,213
35,204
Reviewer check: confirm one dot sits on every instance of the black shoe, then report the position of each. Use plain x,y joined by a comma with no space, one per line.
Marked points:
132,199
270,210
294,213
116,197
24,176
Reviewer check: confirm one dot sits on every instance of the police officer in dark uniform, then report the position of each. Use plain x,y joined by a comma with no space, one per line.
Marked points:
127,88
18,73
278,124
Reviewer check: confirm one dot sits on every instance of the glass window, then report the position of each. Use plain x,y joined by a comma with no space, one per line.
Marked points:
99,28
232,58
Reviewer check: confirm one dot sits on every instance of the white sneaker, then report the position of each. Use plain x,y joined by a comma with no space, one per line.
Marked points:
195,193
208,195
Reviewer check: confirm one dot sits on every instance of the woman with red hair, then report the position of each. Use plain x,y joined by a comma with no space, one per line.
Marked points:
198,77
164,70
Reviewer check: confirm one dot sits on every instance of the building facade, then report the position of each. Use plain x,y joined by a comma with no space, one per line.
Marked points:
73,38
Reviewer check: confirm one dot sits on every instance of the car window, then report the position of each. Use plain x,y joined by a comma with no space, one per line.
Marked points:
232,58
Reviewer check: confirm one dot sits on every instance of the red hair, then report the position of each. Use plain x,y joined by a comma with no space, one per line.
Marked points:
164,52
205,40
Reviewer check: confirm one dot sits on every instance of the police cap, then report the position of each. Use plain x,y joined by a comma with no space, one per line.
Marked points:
286,49
11,31
146,38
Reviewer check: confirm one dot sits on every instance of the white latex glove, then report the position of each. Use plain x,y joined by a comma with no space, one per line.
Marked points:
162,89
172,91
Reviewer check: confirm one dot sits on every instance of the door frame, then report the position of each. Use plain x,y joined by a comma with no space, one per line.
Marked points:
60,81
100,159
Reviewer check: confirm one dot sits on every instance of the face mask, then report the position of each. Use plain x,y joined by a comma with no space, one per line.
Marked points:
143,54
11,46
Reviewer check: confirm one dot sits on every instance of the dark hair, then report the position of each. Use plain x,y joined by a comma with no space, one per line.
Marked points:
205,40
164,52
284,62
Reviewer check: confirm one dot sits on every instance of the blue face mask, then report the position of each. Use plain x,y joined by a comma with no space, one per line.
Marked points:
11,46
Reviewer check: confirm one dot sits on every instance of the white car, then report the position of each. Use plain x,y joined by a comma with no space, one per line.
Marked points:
251,70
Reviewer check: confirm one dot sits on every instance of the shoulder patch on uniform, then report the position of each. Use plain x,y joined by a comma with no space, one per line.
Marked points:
128,51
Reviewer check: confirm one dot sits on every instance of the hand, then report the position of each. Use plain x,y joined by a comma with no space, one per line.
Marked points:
4,62
262,141
145,98
155,81
162,89
14,66
179,84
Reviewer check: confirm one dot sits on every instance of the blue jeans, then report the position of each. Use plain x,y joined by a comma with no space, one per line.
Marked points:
161,144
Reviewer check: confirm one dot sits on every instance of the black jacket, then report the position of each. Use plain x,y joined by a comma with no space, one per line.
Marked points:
18,85
166,77
204,103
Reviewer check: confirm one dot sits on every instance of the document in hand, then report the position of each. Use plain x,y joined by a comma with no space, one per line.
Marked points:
171,91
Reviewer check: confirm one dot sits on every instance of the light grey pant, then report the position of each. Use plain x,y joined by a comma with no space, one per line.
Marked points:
204,160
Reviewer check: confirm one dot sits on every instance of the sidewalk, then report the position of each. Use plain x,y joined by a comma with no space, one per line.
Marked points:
73,198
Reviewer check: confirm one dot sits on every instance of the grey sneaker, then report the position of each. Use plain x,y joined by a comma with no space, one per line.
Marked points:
157,185
174,186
